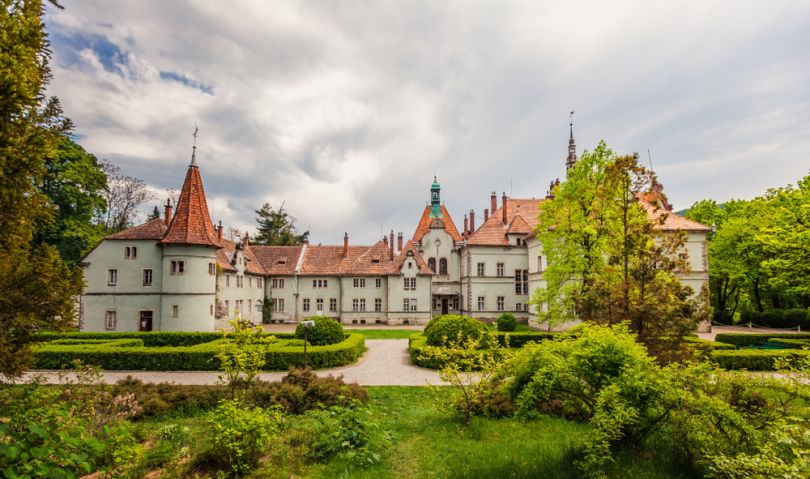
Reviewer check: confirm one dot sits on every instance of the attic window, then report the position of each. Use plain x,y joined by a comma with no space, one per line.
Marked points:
281,261
375,260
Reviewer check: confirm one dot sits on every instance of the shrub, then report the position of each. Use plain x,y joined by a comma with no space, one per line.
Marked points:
200,357
507,322
240,435
326,331
781,343
704,347
757,359
454,328
349,433
757,339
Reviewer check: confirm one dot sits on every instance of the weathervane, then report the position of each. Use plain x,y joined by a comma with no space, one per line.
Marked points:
194,146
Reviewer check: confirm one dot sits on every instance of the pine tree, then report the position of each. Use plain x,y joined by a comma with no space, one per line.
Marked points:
277,228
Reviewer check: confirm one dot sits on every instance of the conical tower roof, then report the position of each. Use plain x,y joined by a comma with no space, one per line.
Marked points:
191,223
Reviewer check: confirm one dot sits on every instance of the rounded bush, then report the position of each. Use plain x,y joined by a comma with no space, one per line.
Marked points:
507,322
451,328
326,331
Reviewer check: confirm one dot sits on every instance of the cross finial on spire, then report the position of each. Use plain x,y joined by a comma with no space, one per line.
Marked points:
194,145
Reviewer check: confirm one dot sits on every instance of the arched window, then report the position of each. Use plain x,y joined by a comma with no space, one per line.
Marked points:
443,266
432,264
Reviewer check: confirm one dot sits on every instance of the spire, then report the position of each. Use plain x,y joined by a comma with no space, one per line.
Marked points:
194,147
572,147
191,223
435,199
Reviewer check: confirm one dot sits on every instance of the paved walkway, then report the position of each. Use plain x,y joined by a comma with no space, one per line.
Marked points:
385,364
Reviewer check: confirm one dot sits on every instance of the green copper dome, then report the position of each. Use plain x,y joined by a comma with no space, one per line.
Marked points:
435,200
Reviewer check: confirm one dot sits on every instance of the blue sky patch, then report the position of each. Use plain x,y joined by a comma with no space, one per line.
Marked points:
180,78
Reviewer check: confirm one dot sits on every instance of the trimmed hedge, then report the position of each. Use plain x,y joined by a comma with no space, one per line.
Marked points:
756,359
507,322
150,339
199,357
418,342
325,331
778,318
113,343
702,347
758,339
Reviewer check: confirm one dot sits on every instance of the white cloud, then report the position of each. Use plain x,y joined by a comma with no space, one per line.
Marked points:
345,110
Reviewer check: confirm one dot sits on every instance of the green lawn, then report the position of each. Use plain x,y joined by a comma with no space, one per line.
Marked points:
384,333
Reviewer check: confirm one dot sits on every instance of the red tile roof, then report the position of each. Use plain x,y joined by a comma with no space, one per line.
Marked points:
665,219
424,225
191,223
278,260
151,230
521,219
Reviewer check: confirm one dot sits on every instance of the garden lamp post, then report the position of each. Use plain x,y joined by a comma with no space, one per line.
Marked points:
306,325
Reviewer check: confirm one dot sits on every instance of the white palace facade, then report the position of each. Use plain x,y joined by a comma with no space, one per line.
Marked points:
178,273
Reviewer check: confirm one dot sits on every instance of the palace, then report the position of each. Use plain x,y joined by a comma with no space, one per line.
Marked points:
178,273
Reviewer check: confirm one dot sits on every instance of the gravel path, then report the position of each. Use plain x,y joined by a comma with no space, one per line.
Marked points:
385,363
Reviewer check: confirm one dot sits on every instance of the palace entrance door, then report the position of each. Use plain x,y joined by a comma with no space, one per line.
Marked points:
146,321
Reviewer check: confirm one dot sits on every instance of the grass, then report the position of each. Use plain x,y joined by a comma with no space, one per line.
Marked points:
384,333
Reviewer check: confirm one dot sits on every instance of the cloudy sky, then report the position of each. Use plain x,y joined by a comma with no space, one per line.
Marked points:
344,111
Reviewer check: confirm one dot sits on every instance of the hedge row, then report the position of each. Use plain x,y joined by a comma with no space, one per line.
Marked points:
518,340
778,318
150,339
756,359
418,350
704,346
199,357
740,339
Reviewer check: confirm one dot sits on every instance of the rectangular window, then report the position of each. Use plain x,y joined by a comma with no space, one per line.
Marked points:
333,304
455,302
499,269
259,282
211,310
110,321
521,281
355,305
319,305
175,311
250,281
228,280
147,277
410,284
278,305
480,269
240,281
378,304
409,304
250,306
306,304
500,303
126,252
319,283
112,277
362,305
212,269
359,282
436,303
177,267
277,283
228,308
378,282
540,264
481,303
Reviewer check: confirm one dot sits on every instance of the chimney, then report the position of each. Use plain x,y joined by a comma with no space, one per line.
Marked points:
472,221
391,245
504,208
493,203
345,245
399,241
167,211
466,227
246,240
219,231
486,214
306,242
385,240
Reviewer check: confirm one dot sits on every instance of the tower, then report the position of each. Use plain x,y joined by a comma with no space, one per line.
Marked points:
572,147
435,199
189,259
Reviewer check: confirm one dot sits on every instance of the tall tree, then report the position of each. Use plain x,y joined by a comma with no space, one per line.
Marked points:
37,286
607,261
277,228
74,185
124,196
155,214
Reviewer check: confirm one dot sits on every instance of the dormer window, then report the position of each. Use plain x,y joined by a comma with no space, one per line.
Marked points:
376,260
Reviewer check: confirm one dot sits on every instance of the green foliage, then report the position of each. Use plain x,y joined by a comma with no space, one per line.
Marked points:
73,183
279,356
777,318
150,339
507,322
453,329
755,258
242,354
38,288
757,359
788,343
326,331
606,260
349,433
743,339
277,228
420,352
267,310
241,435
